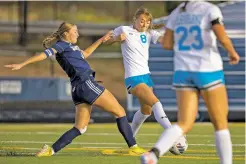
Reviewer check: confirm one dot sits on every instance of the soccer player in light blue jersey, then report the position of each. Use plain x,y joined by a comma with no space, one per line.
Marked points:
135,41
191,31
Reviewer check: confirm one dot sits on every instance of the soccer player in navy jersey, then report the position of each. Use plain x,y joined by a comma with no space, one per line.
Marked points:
85,90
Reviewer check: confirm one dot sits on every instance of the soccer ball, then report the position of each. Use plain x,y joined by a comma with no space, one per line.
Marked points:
180,146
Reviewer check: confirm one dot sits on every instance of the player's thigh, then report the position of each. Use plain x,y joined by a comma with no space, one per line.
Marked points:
141,87
187,100
86,92
108,102
217,103
144,93
82,116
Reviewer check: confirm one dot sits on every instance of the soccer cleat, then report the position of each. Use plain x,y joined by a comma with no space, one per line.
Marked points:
46,151
136,150
148,158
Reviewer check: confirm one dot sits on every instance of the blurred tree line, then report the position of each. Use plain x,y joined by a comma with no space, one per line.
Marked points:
102,12
87,11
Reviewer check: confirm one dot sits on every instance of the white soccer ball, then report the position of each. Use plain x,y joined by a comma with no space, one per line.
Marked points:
180,146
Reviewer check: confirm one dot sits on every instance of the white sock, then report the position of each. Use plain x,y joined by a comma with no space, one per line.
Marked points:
224,146
168,138
161,116
137,121
52,150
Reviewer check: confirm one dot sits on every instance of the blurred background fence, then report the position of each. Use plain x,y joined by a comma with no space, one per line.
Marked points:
41,91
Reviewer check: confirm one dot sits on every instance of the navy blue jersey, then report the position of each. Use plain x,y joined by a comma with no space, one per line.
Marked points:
72,61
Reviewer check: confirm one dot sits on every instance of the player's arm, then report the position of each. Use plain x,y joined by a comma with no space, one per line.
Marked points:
118,38
167,40
34,59
225,41
215,19
160,38
88,51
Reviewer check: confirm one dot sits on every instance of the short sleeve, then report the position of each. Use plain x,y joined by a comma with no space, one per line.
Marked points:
49,52
118,31
58,47
155,35
214,13
172,18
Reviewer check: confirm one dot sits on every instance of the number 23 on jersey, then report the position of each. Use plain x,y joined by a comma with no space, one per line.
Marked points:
195,32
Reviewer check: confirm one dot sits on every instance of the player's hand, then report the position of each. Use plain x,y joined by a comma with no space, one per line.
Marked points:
14,66
122,37
107,36
234,58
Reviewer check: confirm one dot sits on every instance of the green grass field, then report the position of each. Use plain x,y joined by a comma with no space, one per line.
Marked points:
102,144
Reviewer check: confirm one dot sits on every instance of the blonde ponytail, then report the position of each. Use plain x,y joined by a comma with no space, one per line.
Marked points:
64,27
47,41
156,26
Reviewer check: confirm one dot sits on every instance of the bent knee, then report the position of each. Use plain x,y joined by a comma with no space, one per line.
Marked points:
145,95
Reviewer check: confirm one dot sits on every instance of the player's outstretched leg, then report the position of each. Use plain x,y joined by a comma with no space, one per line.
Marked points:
109,103
82,119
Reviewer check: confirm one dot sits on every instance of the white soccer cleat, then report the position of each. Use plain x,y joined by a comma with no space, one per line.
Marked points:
180,146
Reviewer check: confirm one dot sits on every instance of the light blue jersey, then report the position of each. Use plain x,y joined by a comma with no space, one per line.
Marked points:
197,62
195,45
135,49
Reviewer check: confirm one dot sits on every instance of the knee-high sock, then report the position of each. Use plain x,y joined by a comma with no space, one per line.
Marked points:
126,131
168,138
137,121
224,146
161,116
65,139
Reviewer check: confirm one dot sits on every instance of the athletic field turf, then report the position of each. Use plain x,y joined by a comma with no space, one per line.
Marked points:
102,144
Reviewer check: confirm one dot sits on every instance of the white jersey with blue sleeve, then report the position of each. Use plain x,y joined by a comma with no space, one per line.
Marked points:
135,49
195,44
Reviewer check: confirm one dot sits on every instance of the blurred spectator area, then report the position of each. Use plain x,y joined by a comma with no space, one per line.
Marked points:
113,80
93,19
42,18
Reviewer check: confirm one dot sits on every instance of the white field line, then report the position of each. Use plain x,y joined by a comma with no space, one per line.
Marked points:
22,148
109,134
195,155
106,148
100,143
88,147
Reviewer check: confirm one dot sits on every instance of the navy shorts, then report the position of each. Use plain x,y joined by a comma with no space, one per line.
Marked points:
86,92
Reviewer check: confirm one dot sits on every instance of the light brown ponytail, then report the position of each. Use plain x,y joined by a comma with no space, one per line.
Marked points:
64,27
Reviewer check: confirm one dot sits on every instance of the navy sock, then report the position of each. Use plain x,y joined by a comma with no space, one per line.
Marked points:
65,139
126,131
